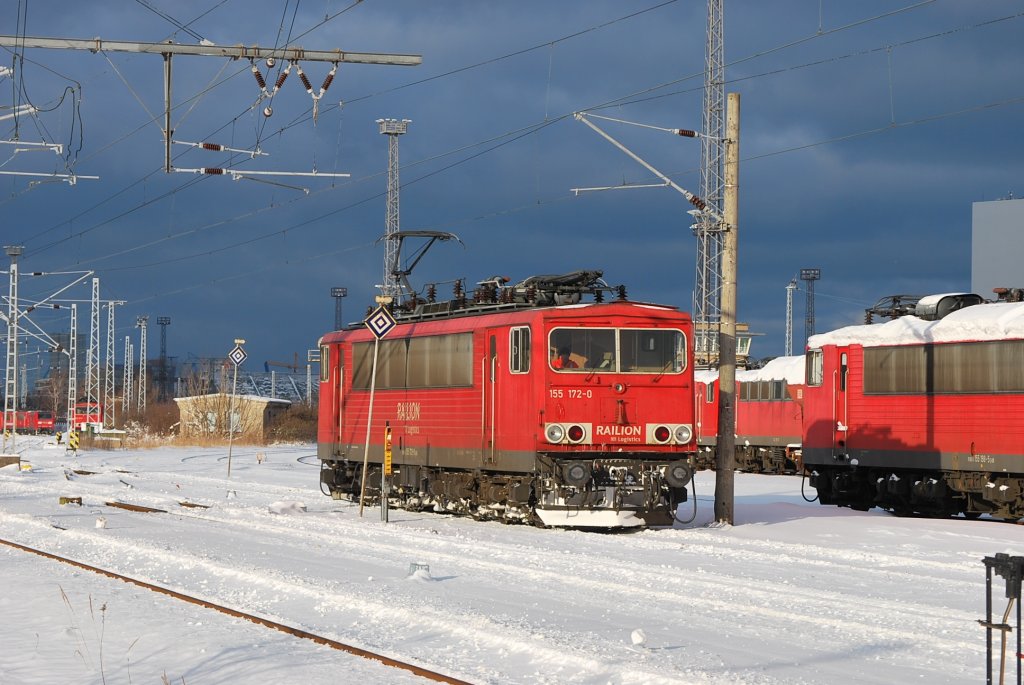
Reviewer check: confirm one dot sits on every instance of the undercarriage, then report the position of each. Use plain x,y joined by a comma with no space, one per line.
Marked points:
927,493
575,493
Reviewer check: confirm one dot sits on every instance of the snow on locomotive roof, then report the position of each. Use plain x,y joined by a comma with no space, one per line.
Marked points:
705,375
980,322
789,369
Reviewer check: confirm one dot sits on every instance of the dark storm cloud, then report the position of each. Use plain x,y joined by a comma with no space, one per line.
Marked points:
883,212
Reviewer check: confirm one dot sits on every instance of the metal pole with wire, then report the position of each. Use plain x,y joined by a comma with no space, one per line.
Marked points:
237,356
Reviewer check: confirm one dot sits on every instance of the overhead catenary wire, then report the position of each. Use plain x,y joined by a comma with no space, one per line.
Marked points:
635,98
822,142
313,220
567,37
525,132
171,20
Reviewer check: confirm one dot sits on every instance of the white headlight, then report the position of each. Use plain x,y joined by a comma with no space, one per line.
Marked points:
555,433
684,434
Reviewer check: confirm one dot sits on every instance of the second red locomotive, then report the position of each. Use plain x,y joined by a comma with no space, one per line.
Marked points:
923,414
769,414
518,403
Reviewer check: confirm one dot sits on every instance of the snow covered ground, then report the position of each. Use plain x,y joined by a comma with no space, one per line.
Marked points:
793,593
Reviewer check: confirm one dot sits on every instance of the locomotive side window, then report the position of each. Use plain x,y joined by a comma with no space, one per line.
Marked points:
709,393
894,370
625,350
437,361
980,367
815,365
519,350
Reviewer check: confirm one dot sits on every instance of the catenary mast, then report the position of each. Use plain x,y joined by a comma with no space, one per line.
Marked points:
707,291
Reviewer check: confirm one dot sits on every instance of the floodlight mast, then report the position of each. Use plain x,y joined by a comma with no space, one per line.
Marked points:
338,293
809,276
392,128
163,380
789,316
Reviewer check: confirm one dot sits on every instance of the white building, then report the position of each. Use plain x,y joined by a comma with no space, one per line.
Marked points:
997,246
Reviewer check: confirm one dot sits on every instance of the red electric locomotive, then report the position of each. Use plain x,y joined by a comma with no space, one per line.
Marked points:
922,414
769,414
33,421
86,414
520,403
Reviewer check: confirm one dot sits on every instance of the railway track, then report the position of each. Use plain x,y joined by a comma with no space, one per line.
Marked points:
259,620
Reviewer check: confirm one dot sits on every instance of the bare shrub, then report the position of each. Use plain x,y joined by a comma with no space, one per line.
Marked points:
298,424
160,418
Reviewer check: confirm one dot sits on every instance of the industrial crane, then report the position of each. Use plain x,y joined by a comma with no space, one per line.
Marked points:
294,366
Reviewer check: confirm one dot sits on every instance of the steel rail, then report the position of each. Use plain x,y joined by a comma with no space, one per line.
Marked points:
297,632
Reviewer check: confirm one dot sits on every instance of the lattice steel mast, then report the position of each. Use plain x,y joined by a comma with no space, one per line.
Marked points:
110,381
73,369
789,316
163,381
390,286
11,386
126,383
707,292
92,359
143,323
809,276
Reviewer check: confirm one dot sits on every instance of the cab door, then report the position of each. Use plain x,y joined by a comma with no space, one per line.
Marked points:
840,411
489,396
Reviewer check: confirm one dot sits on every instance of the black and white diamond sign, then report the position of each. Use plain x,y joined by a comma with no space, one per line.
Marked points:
237,355
380,322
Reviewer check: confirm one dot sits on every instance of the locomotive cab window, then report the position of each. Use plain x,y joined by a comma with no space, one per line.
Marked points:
815,367
325,367
519,350
613,350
